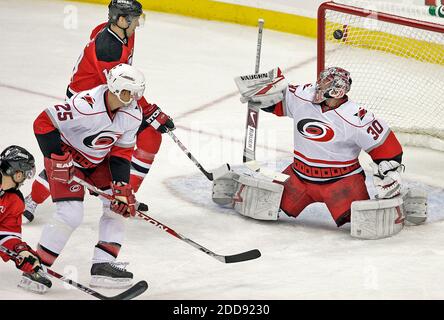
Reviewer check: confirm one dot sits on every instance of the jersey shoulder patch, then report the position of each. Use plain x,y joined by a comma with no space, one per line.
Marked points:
90,101
355,115
304,92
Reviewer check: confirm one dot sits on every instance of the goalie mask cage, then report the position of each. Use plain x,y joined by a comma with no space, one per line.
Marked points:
396,64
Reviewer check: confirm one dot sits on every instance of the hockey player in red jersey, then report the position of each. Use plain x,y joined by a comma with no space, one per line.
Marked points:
17,165
112,43
330,131
92,136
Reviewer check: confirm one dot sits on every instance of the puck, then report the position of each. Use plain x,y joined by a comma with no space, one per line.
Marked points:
338,34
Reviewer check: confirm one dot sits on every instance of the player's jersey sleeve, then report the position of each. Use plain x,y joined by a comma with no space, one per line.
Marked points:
295,98
122,152
377,139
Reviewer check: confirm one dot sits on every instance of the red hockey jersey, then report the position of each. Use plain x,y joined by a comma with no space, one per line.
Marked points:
11,208
104,51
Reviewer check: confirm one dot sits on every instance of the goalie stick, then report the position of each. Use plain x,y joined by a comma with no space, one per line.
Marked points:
253,111
136,290
217,173
240,257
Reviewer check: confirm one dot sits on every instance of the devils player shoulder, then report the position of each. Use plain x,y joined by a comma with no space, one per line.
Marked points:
12,200
108,46
15,194
355,114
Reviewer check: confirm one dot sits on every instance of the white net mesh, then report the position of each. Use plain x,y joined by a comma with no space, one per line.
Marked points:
397,70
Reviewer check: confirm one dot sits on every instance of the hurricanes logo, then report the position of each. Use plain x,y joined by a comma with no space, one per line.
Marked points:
2,209
75,188
89,100
315,130
102,140
361,113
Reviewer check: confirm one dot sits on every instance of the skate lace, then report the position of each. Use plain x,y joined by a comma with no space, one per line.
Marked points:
120,266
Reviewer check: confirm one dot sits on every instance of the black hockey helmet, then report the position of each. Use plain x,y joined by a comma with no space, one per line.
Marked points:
16,158
126,8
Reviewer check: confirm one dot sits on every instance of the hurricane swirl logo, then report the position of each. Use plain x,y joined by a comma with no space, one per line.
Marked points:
315,130
101,141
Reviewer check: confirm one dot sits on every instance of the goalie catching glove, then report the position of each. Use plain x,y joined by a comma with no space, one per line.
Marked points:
387,178
262,89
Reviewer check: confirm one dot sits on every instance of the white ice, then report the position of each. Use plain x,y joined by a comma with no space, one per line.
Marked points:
190,65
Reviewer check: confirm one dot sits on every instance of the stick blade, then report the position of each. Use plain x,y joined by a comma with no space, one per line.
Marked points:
244,256
135,291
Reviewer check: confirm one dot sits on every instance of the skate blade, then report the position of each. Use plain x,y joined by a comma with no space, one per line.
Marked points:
110,283
32,286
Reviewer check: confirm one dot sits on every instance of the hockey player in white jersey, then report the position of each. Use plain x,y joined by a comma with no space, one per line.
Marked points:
330,131
92,136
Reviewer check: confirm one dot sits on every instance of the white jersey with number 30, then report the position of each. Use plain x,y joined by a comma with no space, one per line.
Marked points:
327,142
87,124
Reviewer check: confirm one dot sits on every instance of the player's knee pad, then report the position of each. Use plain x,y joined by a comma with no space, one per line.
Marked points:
70,213
415,205
256,198
55,235
224,189
377,218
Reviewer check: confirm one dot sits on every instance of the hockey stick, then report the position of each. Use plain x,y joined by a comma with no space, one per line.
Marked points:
136,290
244,256
253,111
217,173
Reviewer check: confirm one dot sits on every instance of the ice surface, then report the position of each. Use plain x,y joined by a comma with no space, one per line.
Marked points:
190,65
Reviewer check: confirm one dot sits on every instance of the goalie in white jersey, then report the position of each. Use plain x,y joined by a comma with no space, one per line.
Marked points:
329,133
92,136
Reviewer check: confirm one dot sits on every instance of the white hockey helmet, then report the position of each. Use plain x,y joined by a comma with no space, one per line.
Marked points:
126,77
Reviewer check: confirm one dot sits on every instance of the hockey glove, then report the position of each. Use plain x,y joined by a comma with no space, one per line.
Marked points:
159,120
141,206
262,90
387,178
124,202
60,168
27,259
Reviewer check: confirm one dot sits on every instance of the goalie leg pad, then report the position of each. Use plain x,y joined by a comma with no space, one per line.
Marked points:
257,199
224,189
415,205
377,218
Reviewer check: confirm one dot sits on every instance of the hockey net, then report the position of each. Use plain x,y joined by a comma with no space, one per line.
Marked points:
397,67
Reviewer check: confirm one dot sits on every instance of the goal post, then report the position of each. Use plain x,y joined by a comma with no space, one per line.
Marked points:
396,64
